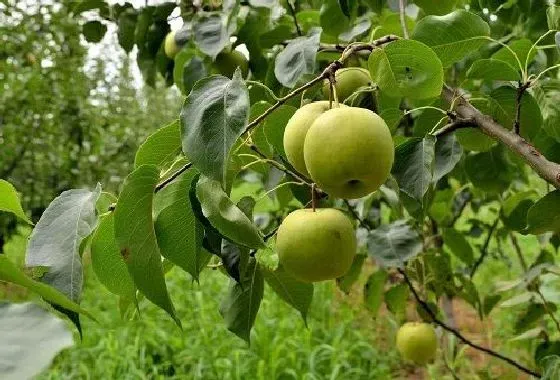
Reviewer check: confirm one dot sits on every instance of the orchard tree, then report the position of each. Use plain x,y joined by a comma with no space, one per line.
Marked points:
371,125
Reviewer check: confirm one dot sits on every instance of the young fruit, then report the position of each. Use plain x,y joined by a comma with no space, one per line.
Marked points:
417,342
349,152
296,129
316,245
171,48
347,81
227,61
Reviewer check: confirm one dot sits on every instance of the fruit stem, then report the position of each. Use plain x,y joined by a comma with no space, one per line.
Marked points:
332,92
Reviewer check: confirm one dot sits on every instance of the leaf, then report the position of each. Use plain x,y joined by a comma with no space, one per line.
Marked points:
94,31
31,338
136,237
9,272
493,69
345,282
458,245
551,365
161,147
10,202
448,153
553,17
396,299
452,36
210,33
213,117
107,262
297,58
234,259
275,125
407,68
348,7
295,293
374,290
544,215
332,17
127,27
179,233
440,7
55,240
393,244
515,209
358,28
240,307
413,167
86,5
490,301
225,216
489,171
188,70
521,49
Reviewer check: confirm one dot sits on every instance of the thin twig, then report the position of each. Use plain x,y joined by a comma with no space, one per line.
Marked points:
547,309
356,216
454,125
329,70
279,166
520,91
518,251
459,336
293,12
402,13
484,250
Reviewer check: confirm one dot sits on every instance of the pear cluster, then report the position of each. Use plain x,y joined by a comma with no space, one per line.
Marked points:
347,151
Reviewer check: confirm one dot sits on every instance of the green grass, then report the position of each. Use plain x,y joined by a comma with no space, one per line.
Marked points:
334,346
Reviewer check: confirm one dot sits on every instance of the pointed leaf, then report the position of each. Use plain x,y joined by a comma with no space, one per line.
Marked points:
393,244
55,240
544,215
374,290
349,278
493,69
297,58
447,153
161,147
458,245
212,119
407,68
296,293
10,202
452,36
225,216
136,237
210,33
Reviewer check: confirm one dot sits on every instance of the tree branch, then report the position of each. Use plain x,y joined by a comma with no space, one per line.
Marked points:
484,251
459,336
520,91
329,71
454,125
402,14
293,12
549,171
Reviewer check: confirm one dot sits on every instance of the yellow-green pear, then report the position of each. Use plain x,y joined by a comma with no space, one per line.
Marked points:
417,342
347,81
170,46
296,129
349,152
316,245
227,61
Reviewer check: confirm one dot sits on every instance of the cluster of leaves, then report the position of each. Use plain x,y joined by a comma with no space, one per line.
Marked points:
177,206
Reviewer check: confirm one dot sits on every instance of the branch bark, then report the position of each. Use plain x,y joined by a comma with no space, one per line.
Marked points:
459,336
547,170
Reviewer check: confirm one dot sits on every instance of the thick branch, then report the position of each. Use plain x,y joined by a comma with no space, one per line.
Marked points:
329,71
455,332
548,170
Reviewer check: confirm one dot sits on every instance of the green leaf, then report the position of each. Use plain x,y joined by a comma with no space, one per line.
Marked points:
127,27
225,216
374,290
9,272
295,293
544,215
107,262
349,278
489,171
553,17
178,232
94,31
136,237
520,48
407,68
493,69
396,299
503,108
440,7
490,301
413,167
211,33
515,209
348,7
333,18
86,5
297,58
393,244
452,36
547,95
161,147
458,245
213,117
448,153
275,125
55,240
240,307
10,202
31,338
188,69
